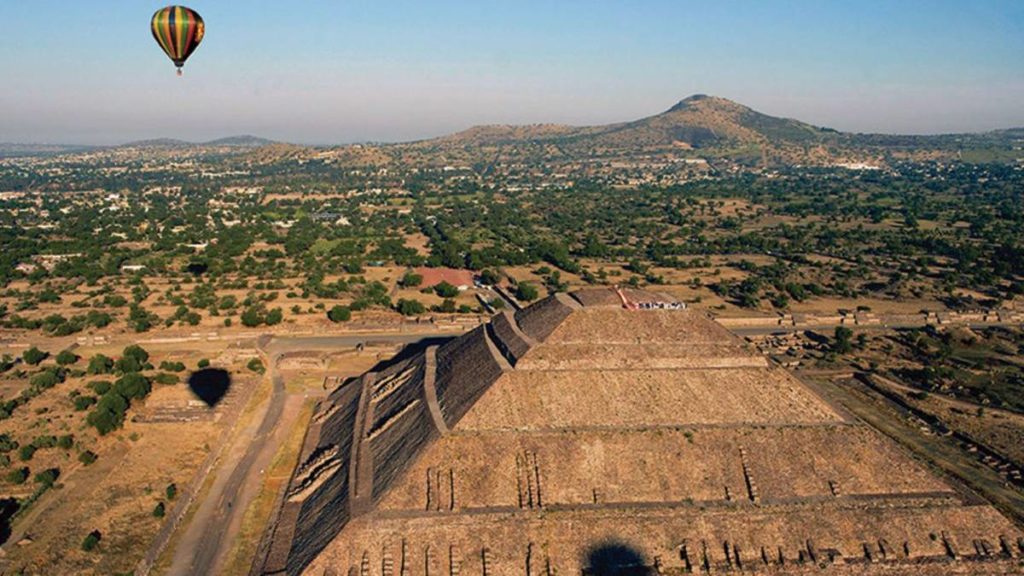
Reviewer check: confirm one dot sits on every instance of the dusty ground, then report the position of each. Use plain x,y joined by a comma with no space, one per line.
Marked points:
117,494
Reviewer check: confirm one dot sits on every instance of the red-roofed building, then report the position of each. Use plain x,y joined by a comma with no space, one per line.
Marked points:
461,279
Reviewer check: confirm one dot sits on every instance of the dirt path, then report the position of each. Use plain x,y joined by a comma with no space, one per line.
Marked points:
209,536
199,548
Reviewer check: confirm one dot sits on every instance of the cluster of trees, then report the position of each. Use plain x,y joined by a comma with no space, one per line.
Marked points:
45,378
115,398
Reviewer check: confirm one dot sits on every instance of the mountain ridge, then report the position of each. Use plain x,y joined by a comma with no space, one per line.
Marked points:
715,126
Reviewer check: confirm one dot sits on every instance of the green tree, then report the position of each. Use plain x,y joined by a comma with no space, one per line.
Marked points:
7,443
26,452
83,403
171,491
18,475
48,477
45,379
410,307
67,358
339,313
842,344
140,320
100,386
526,292
253,316
109,413
274,316
446,290
33,356
100,364
133,386
133,359
411,280
158,511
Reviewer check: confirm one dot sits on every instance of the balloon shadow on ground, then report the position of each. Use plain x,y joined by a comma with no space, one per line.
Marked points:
210,385
196,268
613,558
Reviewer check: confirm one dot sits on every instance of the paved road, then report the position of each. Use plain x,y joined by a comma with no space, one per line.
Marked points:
280,346
207,535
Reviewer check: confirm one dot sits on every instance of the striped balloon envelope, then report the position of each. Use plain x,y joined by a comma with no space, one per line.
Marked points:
178,30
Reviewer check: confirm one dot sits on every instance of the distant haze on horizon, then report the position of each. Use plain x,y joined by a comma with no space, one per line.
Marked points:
330,72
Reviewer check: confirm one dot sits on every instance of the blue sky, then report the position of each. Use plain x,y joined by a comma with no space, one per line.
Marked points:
342,71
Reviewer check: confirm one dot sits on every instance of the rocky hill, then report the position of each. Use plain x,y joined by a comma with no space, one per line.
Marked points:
718,128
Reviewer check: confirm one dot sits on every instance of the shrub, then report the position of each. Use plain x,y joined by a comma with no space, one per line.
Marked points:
253,316
411,280
67,358
87,457
526,292
100,387
275,316
172,366
48,477
26,452
410,307
446,290
66,441
84,402
256,365
166,379
17,476
203,363
171,491
339,313
33,356
99,364
91,541
6,363
45,379
7,444
48,441
158,511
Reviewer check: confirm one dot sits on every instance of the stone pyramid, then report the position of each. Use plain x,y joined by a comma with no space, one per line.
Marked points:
576,436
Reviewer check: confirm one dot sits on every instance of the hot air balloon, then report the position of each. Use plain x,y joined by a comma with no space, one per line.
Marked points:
178,30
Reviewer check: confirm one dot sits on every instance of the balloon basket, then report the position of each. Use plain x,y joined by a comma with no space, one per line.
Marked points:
179,72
